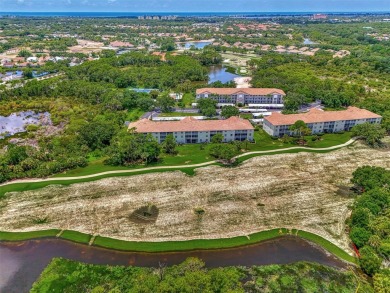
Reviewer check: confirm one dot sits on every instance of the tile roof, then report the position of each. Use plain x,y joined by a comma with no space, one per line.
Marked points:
316,116
233,91
190,124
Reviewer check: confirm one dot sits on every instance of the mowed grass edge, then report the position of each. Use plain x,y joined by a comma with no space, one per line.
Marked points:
25,186
172,246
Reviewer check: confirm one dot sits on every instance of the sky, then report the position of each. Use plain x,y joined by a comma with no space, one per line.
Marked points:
194,5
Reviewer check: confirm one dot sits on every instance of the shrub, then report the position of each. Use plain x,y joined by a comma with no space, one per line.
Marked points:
369,261
360,236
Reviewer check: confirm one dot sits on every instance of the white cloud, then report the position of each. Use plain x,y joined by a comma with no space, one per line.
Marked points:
111,1
20,1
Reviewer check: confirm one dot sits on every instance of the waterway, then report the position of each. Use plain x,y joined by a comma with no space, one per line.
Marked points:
219,73
22,262
198,45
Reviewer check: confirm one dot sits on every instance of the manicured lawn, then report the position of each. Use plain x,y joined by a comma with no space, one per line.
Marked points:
188,99
187,245
329,246
188,155
196,153
20,236
76,236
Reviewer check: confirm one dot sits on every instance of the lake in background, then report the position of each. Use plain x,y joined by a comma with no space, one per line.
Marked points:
219,73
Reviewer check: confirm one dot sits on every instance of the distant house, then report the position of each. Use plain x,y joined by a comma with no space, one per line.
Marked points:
191,130
268,97
319,121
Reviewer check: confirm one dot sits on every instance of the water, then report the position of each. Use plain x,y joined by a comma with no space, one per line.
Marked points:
198,45
308,42
22,262
219,73
17,122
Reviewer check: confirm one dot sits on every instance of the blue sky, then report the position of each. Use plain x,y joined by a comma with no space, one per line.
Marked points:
194,5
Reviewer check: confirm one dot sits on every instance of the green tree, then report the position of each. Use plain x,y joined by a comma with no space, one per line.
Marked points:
145,103
371,133
369,261
97,134
382,281
360,236
300,129
169,145
133,148
165,102
25,53
229,111
217,138
369,177
225,152
207,106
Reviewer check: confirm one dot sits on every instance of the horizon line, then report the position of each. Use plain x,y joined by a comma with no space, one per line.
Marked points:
311,11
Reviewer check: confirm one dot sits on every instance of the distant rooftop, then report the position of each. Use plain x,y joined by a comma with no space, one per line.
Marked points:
190,124
233,91
316,116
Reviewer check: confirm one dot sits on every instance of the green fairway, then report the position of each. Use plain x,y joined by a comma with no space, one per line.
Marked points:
196,153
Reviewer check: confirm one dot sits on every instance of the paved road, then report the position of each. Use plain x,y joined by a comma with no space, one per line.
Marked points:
173,167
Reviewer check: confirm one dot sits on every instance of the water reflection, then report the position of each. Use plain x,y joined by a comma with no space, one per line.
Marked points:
22,262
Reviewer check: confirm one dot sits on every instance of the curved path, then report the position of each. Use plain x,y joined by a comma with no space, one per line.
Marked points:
349,142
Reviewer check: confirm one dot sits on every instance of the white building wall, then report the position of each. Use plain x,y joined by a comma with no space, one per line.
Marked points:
203,136
316,127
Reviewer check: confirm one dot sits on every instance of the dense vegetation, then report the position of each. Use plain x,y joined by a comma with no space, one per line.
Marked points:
192,276
370,224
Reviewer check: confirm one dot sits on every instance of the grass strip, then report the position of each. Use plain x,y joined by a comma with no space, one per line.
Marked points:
173,246
24,186
189,171
21,236
329,246
197,244
76,236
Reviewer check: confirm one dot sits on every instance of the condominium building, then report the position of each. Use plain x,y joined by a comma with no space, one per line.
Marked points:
267,97
191,130
319,121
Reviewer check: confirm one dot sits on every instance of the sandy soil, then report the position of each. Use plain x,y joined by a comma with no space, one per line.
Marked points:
287,190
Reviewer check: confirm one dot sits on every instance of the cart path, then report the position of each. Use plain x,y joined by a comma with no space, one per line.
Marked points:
349,142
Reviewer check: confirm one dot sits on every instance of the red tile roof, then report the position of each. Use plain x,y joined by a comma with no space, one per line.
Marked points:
317,116
233,91
190,124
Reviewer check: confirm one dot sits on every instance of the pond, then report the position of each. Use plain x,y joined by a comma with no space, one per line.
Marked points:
17,122
22,262
198,45
220,73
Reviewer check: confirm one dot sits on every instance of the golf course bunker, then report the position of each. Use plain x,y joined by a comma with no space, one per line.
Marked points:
294,191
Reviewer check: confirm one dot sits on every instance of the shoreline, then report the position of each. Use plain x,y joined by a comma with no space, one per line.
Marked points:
178,246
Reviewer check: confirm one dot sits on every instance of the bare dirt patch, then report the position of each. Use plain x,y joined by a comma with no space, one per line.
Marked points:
300,191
